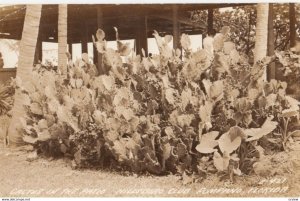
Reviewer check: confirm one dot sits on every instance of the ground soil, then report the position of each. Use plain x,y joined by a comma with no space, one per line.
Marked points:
25,176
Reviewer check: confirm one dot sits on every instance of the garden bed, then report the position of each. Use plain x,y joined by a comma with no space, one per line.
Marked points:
206,120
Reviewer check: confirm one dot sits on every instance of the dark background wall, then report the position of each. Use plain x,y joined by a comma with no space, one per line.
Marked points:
6,74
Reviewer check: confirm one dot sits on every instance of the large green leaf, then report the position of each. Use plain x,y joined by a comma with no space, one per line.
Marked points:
228,47
186,96
123,49
170,95
168,38
217,90
36,108
231,140
293,109
257,133
208,44
205,114
208,142
65,115
100,34
221,162
111,136
29,139
127,113
42,124
218,42
185,120
185,41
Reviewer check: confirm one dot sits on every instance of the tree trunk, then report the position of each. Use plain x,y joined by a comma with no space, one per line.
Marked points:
100,67
62,37
176,28
292,16
271,72
210,20
261,37
25,66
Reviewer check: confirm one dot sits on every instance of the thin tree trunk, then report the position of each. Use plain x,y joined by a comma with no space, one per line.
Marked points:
210,20
271,72
176,28
62,37
25,66
100,66
261,37
292,16
248,37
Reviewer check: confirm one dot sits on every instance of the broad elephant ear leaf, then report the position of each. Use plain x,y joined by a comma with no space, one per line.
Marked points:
123,49
100,35
185,120
111,136
168,38
124,112
234,57
228,47
231,140
218,42
207,84
169,94
221,162
64,115
205,114
107,81
257,133
186,96
36,108
159,40
166,151
185,41
42,124
216,90
44,136
208,142
294,107
29,139
85,57
100,117
119,150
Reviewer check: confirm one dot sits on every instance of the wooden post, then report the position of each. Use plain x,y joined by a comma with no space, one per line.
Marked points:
95,55
271,71
84,46
38,56
100,67
292,24
176,28
70,43
210,20
142,36
70,48
84,40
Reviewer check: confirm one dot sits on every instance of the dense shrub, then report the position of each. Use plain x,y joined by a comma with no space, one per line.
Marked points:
7,91
289,69
201,113
6,97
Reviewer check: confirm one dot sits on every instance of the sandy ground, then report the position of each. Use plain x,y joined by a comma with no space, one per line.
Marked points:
55,178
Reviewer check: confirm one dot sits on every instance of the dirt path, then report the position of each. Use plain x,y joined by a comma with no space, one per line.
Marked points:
45,178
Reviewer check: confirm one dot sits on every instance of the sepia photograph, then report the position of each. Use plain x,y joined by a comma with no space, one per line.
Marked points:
149,100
